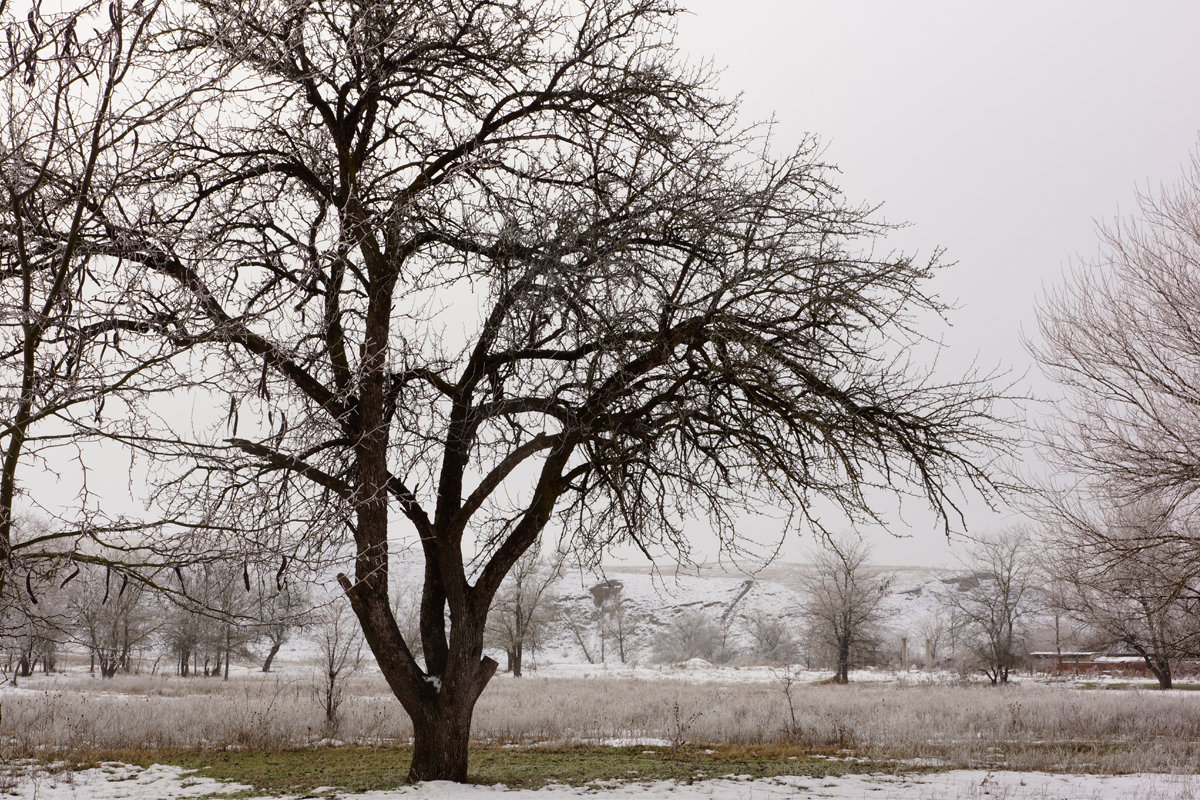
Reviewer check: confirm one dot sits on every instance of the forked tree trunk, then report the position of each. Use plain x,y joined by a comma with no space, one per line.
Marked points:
440,706
1160,668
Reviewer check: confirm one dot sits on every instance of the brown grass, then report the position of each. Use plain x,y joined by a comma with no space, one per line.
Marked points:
1024,727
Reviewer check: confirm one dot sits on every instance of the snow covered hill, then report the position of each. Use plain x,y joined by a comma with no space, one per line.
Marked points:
735,602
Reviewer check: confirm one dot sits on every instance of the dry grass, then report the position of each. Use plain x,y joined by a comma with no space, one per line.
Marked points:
1026,727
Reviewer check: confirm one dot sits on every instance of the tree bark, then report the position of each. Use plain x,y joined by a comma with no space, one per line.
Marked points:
1160,668
439,702
440,742
274,651
515,659
843,665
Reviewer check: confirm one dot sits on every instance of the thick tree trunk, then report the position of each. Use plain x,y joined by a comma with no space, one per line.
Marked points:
440,742
440,705
1161,668
843,663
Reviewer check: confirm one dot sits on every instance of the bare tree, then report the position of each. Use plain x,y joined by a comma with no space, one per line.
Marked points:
693,634
339,646
1122,340
1128,576
523,608
486,267
280,612
112,618
182,631
75,354
991,604
774,642
211,620
844,604
932,632
579,624
618,624
33,623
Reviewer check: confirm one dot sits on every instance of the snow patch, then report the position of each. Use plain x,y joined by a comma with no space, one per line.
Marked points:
122,781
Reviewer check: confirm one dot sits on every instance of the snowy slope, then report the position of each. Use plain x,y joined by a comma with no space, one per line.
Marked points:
654,600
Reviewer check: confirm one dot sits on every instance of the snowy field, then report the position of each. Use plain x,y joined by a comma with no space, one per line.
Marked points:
159,783
1000,741
1035,740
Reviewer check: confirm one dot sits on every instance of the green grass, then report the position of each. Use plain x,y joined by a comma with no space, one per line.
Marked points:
361,769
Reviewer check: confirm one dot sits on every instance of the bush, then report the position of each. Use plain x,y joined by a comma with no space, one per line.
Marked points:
693,634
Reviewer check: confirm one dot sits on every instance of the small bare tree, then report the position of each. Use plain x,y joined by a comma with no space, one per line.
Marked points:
693,634
844,604
34,620
523,608
931,630
339,643
774,642
280,611
580,624
993,602
618,624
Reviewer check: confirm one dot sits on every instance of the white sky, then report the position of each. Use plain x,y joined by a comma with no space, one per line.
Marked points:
1001,131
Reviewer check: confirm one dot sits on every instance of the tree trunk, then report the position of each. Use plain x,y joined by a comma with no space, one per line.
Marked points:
843,662
440,703
440,740
275,646
515,658
1057,647
1161,668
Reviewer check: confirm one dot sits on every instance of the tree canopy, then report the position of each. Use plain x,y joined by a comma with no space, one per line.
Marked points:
464,270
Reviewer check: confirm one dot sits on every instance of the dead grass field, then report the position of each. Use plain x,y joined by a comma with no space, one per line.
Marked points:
1027,727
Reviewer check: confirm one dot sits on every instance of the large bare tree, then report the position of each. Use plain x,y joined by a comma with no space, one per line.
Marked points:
1130,578
1121,337
473,269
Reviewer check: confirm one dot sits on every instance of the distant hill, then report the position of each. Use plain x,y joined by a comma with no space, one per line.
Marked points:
653,601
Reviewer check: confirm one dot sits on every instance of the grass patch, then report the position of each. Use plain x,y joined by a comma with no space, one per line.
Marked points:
362,769
1151,686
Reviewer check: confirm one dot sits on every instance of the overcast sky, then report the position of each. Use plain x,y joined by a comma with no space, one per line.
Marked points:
1001,131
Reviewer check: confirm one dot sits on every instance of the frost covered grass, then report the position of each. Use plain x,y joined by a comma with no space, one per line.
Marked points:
1027,727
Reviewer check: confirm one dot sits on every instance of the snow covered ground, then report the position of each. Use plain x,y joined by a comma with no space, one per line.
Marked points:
160,783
